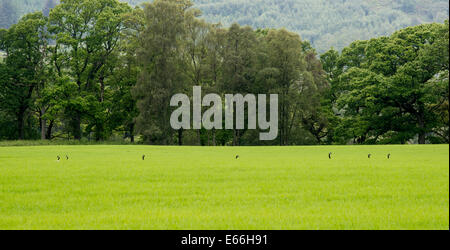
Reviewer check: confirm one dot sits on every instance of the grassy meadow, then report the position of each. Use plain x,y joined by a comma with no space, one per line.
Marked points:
111,187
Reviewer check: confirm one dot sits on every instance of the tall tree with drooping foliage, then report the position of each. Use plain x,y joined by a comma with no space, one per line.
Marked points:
286,63
162,64
239,67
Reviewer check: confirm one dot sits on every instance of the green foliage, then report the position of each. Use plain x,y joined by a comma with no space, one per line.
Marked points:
391,89
88,37
161,59
189,52
23,71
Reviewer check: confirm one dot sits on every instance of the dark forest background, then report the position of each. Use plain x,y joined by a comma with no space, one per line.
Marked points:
104,70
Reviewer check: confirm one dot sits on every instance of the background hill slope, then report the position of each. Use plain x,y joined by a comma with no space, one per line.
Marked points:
324,23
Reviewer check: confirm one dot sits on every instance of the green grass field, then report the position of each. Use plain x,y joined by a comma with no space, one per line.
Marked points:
110,187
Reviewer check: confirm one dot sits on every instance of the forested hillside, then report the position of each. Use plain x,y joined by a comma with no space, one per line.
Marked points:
328,23
324,23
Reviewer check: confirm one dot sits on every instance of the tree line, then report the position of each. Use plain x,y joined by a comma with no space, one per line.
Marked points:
100,69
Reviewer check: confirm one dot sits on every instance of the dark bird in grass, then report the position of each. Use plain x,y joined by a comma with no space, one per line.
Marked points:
237,157
389,156
67,157
57,157
143,157
329,155
368,156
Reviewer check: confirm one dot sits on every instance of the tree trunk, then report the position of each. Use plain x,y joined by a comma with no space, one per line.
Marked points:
282,120
77,127
99,132
20,126
43,124
180,137
422,137
285,125
21,123
102,88
43,129
131,132
49,130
